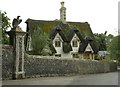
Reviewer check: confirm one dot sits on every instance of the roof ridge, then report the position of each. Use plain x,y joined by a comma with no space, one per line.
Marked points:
57,21
43,20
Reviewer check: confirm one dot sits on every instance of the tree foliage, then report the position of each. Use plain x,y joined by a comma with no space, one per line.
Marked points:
114,48
4,21
103,41
40,42
108,39
100,40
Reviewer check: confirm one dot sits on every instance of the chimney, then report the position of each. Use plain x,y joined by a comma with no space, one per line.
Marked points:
63,13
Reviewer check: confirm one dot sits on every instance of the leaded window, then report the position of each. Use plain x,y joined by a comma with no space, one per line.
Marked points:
74,43
57,43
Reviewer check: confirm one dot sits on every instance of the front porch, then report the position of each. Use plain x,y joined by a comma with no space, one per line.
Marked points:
88,55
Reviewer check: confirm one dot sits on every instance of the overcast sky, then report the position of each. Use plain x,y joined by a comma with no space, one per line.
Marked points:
102,15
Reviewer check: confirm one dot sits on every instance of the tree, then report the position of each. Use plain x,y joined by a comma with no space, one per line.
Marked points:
40,42
114,48
103,40
4,21
109,38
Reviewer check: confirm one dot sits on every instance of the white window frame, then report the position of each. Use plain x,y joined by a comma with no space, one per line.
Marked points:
75,43
75,55
57,43
57,55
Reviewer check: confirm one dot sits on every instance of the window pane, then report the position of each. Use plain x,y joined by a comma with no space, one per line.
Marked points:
75,55
57,55
57,44
74,43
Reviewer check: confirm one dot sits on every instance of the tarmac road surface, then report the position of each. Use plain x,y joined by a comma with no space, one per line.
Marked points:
91,79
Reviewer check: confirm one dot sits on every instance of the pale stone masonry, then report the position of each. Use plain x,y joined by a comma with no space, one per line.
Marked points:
19,63
17,41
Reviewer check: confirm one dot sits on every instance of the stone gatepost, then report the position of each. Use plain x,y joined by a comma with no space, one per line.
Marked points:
17,40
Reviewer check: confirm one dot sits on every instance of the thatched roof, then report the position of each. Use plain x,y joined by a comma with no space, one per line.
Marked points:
66,31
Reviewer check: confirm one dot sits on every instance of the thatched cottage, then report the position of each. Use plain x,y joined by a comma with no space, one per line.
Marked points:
69,39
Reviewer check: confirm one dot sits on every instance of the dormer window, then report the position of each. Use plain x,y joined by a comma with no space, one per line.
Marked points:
57,43
58,40
74,43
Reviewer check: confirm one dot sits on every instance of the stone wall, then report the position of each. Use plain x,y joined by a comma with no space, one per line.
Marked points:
7,62
36,66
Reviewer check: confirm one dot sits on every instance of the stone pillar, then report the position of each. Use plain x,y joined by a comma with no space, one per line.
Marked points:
17,36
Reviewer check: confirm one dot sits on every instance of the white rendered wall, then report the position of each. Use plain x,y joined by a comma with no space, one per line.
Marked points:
75,49
60,49
89,48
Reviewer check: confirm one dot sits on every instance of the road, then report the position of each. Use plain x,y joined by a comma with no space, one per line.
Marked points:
91,79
